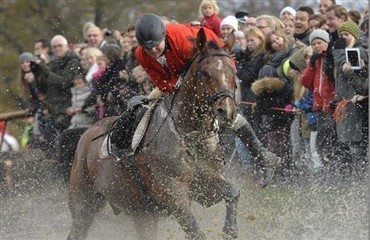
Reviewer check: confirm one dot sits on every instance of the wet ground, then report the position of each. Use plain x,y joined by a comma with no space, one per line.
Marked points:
310,209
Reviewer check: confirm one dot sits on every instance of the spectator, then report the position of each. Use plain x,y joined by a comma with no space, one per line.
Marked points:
303,131
349,127
95,37
335,16
317,21
265,23
89,63
42,50
289,26
314,79
78,48
80,91
57,76
287,12
301,27
354,16
272,95
227,25
324,4
242,17
34,92
209,11
250,22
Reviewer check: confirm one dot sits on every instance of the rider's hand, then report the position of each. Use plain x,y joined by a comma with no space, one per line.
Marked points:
156,93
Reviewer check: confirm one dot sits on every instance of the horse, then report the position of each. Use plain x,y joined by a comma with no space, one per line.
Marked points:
179,158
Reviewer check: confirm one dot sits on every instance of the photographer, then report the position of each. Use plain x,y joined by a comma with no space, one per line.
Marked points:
350,126
57,76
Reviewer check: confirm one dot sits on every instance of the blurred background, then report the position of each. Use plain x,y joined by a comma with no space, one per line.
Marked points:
24,21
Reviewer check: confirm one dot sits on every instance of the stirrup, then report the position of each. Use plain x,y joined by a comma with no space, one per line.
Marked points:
120,153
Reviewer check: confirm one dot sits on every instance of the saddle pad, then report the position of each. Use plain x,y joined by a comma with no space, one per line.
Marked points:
142,126
104,149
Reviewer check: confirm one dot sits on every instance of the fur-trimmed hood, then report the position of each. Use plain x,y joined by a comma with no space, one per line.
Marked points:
267,85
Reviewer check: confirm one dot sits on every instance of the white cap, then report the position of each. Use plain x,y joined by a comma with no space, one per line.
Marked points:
288,9
231,21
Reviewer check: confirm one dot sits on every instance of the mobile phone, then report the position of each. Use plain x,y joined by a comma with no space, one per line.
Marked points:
353,57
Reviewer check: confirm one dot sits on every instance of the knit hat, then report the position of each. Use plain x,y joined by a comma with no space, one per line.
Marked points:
289,9
350,27
319,33
26,57
231,21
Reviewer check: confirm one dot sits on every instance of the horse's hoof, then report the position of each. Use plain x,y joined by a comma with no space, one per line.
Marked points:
230,233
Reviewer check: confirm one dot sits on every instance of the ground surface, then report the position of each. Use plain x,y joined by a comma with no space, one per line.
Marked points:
37,210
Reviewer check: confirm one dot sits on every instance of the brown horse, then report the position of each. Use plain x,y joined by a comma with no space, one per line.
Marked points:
179,158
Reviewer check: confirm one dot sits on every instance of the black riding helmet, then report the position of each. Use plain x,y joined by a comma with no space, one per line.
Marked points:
150,30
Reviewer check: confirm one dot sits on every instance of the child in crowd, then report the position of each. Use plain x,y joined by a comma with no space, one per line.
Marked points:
80,91
209,10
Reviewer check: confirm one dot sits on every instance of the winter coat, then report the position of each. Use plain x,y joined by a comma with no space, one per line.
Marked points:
213,22
178,51
273,93
107,86
314,79
58,76
304,37
349,128
247,71
276,59
84,118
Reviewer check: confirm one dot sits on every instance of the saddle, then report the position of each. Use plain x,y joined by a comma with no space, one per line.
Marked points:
143,111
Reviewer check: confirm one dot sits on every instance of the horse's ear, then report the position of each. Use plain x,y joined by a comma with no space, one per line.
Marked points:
201,40
230,41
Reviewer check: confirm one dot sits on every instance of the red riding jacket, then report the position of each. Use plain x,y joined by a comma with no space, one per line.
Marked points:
178,51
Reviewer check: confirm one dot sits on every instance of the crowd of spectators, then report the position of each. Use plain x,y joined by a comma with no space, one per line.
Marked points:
302,96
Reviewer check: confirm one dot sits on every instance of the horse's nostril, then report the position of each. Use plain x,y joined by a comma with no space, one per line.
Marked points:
220,111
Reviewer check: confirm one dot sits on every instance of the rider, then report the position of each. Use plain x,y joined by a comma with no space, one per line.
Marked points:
163,52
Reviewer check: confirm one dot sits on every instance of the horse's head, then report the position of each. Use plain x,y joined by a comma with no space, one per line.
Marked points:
214,73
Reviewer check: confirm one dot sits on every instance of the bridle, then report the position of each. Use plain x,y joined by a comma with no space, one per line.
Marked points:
220,94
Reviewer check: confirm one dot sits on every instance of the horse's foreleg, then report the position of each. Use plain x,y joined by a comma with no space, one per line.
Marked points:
188,223
146,226
83,209
231,195
178,203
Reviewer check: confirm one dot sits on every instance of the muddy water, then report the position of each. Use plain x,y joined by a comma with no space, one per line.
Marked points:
38,210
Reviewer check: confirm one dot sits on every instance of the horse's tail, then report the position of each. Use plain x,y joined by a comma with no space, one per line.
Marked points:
67,144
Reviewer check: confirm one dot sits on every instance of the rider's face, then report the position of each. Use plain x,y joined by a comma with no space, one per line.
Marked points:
157,50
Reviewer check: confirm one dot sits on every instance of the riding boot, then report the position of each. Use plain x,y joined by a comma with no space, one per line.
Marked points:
121,136
247,135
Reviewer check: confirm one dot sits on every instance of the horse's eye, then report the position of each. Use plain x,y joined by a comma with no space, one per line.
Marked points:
204,74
